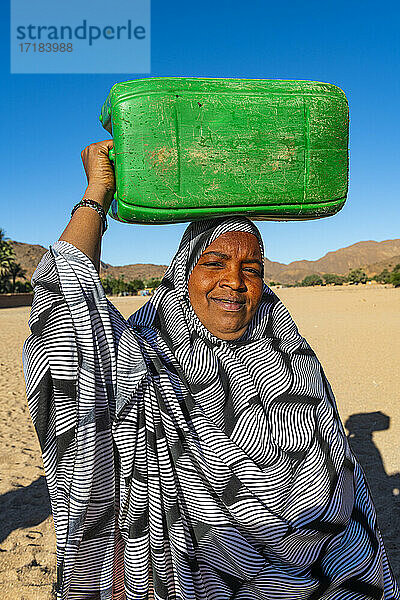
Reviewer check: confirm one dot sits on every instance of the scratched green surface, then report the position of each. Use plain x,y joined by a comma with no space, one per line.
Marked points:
189,148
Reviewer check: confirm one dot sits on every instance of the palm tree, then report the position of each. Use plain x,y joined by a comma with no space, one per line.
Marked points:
6,254
16,270
4,284
6,257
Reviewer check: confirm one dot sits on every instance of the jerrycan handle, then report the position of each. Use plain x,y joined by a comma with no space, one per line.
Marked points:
113,210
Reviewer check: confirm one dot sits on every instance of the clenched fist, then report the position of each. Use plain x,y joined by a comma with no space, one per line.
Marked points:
99,172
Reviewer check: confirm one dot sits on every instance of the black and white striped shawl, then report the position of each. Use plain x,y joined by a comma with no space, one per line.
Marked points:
223,465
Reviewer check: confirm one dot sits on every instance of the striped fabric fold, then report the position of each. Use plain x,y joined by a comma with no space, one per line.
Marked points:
189,467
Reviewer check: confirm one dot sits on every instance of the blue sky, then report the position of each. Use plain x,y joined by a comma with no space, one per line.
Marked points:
48,119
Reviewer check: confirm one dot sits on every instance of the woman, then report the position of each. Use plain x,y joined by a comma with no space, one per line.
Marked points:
195,448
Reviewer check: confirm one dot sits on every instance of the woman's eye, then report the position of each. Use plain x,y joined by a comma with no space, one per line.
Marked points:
254,271
212,264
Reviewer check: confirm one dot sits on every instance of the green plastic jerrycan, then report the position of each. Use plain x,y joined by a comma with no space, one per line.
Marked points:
193,148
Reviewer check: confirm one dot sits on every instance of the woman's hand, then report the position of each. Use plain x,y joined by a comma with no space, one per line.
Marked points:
85,227
99,172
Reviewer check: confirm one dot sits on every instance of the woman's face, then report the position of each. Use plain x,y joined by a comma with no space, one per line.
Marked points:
226,285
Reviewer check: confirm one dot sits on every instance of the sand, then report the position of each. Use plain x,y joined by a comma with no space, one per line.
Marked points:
355,332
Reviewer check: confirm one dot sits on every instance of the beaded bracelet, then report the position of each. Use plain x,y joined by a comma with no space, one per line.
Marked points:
97,207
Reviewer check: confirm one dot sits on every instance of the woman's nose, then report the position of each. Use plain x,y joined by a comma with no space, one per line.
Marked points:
232,278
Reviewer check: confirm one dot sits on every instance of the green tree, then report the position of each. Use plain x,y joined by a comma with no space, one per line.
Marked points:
15,270
383,277
313,279
357,276
333,279
22,287
131,288
5,285
118,285
153,282
106,283
6,253
114,287
395,278
138,284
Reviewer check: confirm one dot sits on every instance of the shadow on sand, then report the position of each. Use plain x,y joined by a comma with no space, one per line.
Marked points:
385,489
24,507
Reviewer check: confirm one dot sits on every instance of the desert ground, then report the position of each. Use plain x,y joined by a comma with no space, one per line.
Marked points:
355,332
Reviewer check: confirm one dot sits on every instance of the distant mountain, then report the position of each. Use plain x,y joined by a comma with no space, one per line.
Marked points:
28,255
368,255
379,266
372,256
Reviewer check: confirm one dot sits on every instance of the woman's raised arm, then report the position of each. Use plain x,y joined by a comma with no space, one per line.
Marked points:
85,227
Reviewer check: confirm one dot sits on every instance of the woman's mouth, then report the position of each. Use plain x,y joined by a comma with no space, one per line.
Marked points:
229,304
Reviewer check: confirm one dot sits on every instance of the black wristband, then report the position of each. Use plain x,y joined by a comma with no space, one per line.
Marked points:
97,207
